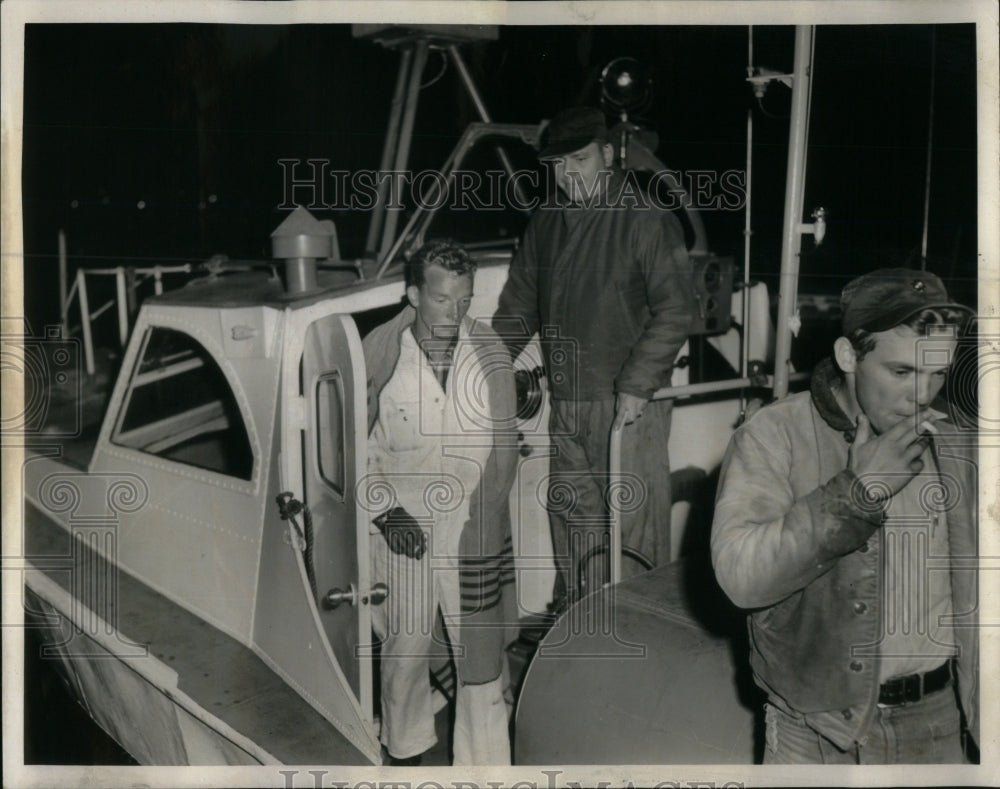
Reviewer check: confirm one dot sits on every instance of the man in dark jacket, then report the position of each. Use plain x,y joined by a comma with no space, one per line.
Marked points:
604,277
846,522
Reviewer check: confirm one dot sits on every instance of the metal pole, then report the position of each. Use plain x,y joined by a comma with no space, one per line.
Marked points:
615,453
88,341
122,305
930,148
470,86
63,297
745,331
391,138
419,211
102,309
69,299
405,137
794,188
747,232
614,474
709,387
132,292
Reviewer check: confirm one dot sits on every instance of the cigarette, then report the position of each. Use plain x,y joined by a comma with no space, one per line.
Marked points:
933,412
928,426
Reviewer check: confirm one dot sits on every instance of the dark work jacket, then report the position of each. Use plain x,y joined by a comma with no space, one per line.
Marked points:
609,291
793,543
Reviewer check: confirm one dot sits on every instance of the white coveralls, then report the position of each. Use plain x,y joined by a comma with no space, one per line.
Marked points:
428,447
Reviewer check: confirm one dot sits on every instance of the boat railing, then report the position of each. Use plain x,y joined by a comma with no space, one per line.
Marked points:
127,281
615,448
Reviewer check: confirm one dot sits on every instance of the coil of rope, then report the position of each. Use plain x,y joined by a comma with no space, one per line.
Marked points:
288,508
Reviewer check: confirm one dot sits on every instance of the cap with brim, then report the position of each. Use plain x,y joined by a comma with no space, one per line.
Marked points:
883,299
571,130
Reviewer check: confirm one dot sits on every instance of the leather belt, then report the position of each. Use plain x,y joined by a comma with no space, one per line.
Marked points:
913,687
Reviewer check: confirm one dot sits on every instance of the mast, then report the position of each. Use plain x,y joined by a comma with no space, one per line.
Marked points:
930,153
794,190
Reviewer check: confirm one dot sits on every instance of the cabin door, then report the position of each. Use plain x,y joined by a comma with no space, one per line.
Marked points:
333,463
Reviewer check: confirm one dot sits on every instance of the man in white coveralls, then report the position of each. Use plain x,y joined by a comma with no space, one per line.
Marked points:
442,447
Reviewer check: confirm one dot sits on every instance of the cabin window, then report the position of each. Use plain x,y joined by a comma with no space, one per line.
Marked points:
180,407
330,430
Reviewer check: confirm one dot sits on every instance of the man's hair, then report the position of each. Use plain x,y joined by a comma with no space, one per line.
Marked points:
443,252
864,341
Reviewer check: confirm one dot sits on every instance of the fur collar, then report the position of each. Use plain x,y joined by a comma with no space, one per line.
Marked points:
821,386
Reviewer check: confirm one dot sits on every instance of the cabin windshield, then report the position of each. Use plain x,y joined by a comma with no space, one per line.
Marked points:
180,407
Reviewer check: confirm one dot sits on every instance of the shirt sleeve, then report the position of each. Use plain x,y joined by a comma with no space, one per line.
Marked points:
766,543
666,268
517,316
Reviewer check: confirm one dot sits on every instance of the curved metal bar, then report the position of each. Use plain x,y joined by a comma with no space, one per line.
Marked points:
422,214
470,86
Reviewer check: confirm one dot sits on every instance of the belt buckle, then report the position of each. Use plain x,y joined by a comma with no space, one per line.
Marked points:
902,690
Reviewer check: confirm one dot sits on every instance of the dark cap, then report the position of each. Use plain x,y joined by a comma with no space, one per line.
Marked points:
883,299
571,130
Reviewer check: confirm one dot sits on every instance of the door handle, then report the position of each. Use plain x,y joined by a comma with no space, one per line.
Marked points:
336,596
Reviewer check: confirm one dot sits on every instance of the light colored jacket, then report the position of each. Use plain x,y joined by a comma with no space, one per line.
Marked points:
485,557
791,543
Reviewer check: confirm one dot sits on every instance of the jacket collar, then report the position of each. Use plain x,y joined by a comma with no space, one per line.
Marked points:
821,386
403,320
615,184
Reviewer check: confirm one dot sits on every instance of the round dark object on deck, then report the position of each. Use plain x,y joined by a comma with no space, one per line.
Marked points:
653,671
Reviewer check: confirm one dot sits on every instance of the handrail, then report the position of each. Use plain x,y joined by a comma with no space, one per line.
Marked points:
185,268
121,297
88,340
614,474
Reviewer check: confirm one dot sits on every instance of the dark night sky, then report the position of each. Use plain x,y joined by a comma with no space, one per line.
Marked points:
112,116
